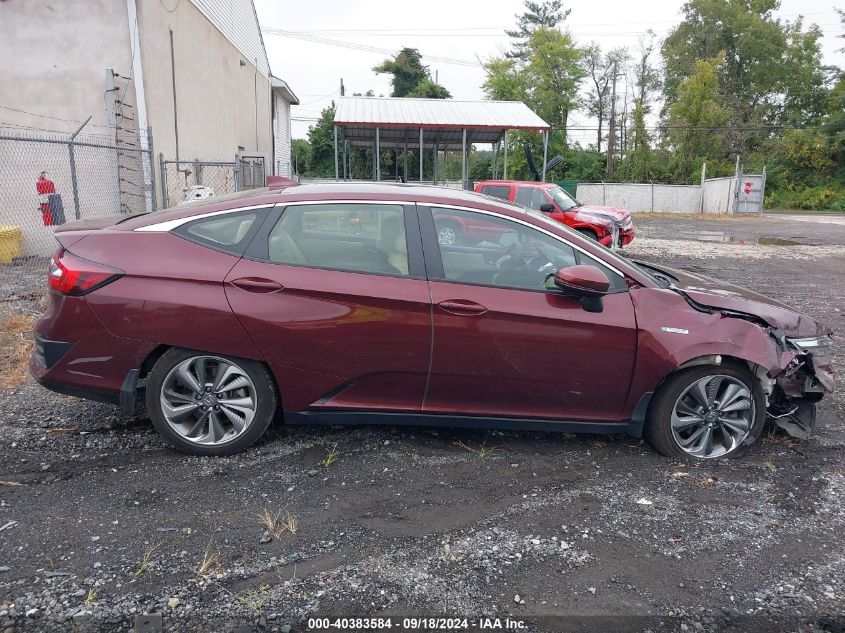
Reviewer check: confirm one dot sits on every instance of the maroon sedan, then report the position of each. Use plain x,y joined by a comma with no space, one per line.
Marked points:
338,304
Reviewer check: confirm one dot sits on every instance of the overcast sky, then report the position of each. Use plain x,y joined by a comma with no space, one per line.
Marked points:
457,32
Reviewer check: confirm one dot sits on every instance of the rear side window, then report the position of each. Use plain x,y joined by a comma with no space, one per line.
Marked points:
229,233
497,191
365,238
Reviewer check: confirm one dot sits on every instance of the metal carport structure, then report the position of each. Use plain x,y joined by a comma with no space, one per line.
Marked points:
438,124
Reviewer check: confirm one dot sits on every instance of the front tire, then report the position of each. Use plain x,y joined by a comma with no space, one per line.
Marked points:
706,412
209,404
589,234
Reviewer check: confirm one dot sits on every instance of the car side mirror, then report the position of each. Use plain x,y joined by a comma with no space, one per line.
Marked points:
547,207
588,283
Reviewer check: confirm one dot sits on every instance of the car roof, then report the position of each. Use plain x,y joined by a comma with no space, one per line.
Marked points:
523,183
330,191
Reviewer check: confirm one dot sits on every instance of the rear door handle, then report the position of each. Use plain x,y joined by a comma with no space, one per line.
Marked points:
462,307
257,284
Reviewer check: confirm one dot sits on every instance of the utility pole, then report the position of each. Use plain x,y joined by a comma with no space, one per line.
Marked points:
611,135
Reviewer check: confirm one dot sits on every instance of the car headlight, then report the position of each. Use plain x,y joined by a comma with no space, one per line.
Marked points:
810,344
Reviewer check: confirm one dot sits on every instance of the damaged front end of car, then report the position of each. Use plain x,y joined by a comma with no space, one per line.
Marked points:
801,384
803,370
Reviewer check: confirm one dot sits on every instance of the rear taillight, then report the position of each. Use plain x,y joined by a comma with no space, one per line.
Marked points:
72,275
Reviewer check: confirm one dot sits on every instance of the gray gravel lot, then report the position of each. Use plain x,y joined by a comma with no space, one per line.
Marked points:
100,522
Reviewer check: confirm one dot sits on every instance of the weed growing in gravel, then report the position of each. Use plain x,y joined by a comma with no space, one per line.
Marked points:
90,597
482,452
331,457
210,560
291,524
253,599
15,348
146,557
780,437
276,525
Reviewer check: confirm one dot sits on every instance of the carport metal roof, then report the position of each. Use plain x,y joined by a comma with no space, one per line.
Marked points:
443,121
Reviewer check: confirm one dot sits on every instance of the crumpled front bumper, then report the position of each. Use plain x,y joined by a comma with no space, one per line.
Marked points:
804,381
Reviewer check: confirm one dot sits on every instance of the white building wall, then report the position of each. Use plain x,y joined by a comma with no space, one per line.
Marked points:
281,137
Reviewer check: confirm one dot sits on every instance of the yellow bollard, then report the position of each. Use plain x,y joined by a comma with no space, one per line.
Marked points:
11,238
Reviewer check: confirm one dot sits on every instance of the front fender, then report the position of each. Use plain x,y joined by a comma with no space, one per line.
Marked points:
671,333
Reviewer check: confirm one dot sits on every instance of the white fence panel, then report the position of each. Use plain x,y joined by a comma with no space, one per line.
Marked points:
677,198
642,197
718,195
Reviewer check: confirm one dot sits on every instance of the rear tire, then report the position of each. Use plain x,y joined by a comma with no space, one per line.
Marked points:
210,404
706,412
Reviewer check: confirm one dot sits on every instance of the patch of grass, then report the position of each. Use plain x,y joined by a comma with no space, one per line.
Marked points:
146,557
90,597
253,599
277,523
778,436
272,522
15,348
331,457
211,563
291,524
482,452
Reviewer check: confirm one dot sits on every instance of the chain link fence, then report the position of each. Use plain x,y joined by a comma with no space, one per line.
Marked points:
189,179
48,179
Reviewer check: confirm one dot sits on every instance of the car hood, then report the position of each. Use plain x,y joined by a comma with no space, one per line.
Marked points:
720,295
611,213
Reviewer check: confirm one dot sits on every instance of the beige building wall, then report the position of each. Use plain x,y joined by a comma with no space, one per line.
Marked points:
55,56
222,98
53,77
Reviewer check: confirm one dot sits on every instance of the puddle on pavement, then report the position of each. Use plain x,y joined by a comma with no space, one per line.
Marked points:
729,238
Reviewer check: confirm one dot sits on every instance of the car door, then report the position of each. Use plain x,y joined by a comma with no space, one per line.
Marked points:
335,297
505,345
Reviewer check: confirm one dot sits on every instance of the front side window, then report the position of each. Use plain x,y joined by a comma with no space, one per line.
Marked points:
530,197
366,238
523,257
563,200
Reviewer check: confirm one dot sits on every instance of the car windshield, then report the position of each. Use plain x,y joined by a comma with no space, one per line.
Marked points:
562,199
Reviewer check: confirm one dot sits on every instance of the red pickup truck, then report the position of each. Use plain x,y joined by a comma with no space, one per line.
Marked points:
593,221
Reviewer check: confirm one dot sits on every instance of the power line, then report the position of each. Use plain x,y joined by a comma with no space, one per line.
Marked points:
364,47
398,30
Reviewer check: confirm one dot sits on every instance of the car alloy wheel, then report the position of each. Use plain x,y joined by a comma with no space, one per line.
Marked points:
447,235
208,400
713,416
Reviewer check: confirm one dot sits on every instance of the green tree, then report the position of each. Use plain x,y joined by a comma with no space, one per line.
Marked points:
300,151
547,80
696,118
321,141
410,77
771,74
638,160
597,68
427,89
547,14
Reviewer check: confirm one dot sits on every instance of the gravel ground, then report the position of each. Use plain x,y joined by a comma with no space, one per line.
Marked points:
100,522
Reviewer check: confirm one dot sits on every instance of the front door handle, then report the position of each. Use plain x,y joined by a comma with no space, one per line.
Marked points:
257,284
462,307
